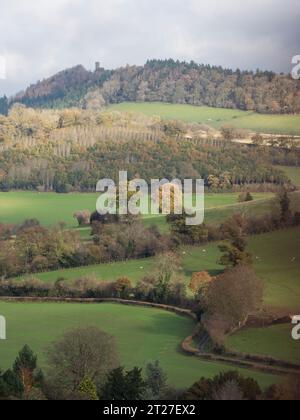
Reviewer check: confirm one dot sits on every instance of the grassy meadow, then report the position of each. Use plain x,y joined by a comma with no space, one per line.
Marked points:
275,341
48,208
219,207
142,335
276,254
293,172
276,261
147,334
216,117
52,208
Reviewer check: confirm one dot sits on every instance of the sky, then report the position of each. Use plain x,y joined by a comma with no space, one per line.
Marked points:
40,38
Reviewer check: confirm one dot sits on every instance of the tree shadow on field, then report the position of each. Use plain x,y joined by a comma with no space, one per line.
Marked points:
213,272
168,324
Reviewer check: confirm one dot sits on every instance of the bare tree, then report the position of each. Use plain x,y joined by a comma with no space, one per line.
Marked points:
81,353
232,297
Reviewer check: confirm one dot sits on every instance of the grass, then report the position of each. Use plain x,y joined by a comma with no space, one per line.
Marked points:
219,207
134,269
262,204
52,208
142,335
216,213
216,117
293,172
48,208
276,262
275,341
145,334
194,259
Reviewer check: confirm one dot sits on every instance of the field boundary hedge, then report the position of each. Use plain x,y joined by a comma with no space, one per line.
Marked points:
169,308
235,360
249,361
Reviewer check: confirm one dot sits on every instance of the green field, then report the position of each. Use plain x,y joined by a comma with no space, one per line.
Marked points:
278,264
275,341
48,208
194,259
142,335
293,172
52,208
134,269
276,261
219,207
216,117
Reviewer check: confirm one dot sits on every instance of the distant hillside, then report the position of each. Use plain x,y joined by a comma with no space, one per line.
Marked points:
167,81
67,150
65,89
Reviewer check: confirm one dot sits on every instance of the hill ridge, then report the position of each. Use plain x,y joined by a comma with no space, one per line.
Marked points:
166,81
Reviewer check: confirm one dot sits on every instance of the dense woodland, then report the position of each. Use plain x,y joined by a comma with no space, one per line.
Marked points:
165,81
70,150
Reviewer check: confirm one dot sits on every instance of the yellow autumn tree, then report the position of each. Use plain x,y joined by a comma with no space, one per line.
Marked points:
199,281
173,192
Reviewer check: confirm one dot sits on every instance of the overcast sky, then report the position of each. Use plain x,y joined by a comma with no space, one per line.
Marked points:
41,37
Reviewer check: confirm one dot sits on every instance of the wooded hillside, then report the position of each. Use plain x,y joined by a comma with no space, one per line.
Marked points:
166,81
72,149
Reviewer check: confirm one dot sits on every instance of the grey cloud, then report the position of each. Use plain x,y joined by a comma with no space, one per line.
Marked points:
39,38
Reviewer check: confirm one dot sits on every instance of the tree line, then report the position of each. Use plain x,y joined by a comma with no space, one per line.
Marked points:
32,248
167,81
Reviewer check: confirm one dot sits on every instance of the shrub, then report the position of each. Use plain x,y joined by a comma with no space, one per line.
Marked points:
39,263
83,217
199,280
88,389
122,287
245,197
